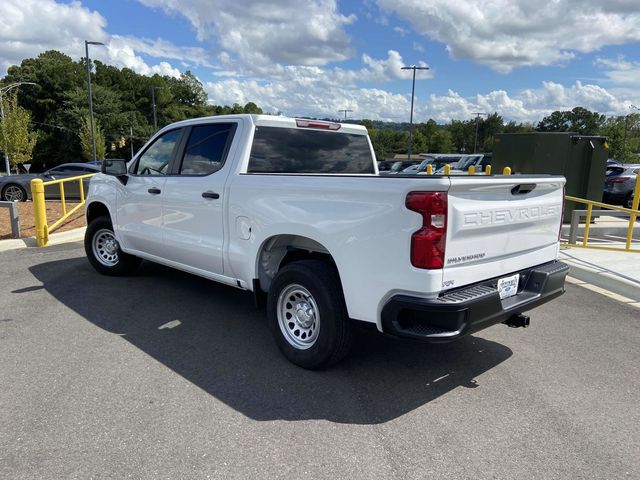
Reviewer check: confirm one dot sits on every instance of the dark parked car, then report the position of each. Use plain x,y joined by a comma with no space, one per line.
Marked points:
17,188
619,184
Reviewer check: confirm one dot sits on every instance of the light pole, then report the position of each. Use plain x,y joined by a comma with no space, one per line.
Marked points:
345,110
93,135
153,102
413,89
475,141
4,90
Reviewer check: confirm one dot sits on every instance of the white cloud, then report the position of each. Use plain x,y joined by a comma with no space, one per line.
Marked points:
30,27
620,71
303,93
529,105
298,98
160,48
262,32
505,34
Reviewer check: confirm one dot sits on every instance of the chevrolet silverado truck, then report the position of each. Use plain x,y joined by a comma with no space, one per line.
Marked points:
294,210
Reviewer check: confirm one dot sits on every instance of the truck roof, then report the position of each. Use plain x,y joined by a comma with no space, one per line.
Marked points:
281,122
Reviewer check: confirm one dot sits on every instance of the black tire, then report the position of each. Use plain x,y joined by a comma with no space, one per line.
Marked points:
108,260
628,201
333,337
15,189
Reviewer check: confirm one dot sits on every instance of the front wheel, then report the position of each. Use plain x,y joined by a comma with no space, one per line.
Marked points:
307,314
103,250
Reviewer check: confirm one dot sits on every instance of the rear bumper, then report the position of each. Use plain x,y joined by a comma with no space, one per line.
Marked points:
472,308
614,197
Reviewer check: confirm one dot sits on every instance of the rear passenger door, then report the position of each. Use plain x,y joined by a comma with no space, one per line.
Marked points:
194,196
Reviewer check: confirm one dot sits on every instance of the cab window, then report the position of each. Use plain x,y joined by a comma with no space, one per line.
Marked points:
155,160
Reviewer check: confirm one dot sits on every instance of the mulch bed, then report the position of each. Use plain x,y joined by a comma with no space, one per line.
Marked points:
27,226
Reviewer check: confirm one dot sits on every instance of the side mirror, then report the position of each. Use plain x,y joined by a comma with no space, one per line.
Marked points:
116,167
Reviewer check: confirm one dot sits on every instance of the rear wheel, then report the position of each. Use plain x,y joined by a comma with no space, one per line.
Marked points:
14,193
103,250
307,314
628,201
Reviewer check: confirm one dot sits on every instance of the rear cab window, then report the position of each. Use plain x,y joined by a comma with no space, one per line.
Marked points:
207,148
301,151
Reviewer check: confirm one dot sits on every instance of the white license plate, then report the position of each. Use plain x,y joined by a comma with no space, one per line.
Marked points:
508,286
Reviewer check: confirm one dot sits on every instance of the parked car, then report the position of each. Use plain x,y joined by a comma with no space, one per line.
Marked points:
17,188
478,160
293,211
400,165
619,184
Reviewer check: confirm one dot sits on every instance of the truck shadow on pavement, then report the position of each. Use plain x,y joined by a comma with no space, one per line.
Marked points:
222,344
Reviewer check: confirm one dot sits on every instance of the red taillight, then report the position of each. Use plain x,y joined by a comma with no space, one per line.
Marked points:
617,180
301,122
428,243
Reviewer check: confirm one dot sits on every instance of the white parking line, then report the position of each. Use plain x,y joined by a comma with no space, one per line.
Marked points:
603,291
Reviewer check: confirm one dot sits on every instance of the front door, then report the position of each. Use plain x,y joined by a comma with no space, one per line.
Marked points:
194,198
139,202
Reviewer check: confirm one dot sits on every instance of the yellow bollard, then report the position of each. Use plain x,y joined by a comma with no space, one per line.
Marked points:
81,191
39,212
506,171
447,169
472,170
429,169
633,216
62,199
487,170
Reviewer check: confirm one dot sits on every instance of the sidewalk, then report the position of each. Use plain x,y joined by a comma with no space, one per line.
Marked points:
618,272
74,235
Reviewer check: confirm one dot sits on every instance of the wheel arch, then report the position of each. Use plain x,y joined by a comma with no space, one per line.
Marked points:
280,250
97,209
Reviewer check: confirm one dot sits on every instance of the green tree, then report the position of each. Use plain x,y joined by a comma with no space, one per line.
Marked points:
622,134
86,142
17,140
578,120
488,128
462,135
252,108
442,142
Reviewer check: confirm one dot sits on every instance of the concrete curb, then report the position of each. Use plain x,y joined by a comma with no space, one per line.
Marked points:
74,235
602,277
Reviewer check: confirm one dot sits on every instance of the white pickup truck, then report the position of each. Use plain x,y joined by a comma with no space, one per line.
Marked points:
294,210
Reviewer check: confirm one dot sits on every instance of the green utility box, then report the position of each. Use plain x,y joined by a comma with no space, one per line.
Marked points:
581,159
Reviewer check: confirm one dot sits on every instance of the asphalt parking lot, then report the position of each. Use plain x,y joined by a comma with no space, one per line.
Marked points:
166,375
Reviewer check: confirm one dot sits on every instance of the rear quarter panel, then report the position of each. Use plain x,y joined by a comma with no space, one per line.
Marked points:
360,220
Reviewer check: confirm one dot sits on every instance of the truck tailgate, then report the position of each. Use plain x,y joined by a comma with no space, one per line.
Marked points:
499,225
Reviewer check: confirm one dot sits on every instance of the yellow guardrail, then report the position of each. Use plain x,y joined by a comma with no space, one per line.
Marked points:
633,213
39,211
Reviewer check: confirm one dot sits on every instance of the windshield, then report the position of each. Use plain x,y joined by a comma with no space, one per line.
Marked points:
465,163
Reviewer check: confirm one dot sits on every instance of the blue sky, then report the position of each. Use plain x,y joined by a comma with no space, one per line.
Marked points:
313,57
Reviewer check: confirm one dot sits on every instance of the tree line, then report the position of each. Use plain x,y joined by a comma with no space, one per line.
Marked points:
459,136
48,124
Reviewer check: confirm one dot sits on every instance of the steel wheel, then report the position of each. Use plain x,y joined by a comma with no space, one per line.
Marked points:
298,316
105,247
14,193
